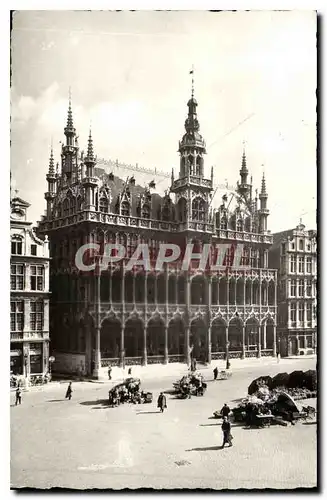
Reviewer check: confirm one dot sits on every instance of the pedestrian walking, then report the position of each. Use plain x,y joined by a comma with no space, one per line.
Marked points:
109,372
225,411
18,396
69,391
215,373
162,402
129,371
226,428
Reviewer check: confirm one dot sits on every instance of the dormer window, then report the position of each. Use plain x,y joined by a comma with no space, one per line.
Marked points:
65,208
103,205
146,212
223,222
239,225
198,210
125,208
72,206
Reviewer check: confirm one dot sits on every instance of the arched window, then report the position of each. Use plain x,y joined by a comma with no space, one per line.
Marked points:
198,209
146,212
182,210
125,208
198,165
165,212
103,204
79,203
72,205
65,208
59,210
223,222
190,163
239,225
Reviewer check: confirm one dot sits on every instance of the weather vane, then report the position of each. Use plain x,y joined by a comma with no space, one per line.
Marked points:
192,73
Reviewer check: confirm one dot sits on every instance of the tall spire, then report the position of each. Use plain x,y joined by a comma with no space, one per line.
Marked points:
51,164
244,158
69,129
70,123
263,186
90,154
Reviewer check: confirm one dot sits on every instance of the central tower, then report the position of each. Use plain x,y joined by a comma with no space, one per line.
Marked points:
192,190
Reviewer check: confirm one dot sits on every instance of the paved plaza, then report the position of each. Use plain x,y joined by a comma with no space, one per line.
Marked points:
84,444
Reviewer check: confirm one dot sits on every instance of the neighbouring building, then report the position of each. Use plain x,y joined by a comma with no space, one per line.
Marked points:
294,254
122,318
29,295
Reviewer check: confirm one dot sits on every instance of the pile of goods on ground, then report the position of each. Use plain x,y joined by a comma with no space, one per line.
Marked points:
273,400
190,385
129,392
299,384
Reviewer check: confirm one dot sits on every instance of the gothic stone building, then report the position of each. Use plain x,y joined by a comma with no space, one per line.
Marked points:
29,295
294,254
120,317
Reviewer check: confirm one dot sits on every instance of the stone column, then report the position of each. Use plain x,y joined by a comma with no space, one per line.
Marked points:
166,359
122,347
187,345
275,341
265,335
155,288
145,353
251,294
243,341
110,285
187,328
259,341
209,319
244,294
97,354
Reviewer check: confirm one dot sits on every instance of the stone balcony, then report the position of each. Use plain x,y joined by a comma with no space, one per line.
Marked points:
122,221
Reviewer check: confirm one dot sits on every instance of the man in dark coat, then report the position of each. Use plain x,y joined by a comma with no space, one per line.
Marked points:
109,372
69,391
225,411
162,402
225,427
215,373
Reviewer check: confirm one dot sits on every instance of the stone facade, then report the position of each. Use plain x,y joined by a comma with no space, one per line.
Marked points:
119,317
29,295
294,253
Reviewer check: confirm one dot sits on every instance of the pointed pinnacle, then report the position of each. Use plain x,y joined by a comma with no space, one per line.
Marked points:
263,185
70,123
90,153
51,164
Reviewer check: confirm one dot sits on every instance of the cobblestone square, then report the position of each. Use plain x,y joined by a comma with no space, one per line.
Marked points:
84,444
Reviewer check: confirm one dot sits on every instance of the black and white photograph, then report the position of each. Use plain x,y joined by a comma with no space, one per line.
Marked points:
163,250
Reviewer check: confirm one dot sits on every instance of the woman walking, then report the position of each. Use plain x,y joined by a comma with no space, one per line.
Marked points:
69,391
162,403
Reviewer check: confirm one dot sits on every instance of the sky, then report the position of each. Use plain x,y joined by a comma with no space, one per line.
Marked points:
255,81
